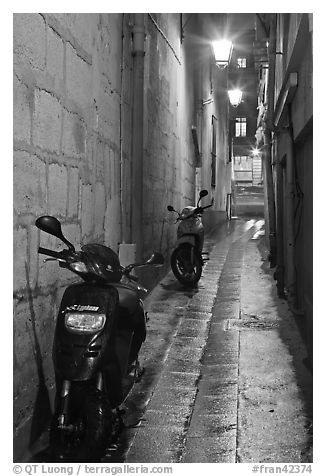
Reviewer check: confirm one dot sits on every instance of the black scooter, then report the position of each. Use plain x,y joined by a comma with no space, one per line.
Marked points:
100,328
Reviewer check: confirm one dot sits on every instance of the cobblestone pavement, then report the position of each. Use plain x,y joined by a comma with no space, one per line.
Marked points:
224,378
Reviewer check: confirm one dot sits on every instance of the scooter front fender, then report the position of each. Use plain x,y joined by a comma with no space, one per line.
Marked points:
190,239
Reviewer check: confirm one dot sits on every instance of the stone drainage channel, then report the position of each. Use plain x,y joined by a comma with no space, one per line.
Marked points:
186,405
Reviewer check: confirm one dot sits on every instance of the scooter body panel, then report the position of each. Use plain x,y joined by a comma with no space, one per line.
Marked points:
131,319
129,300
79,355
191,231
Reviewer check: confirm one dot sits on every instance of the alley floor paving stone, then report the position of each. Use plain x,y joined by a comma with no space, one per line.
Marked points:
213,392
225,377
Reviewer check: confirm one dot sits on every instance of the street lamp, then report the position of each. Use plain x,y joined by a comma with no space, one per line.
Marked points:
256,152
235,97
222,52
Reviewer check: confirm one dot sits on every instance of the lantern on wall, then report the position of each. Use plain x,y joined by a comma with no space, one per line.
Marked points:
235,97
222,52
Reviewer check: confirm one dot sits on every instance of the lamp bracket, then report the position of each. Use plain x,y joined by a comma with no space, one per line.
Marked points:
183,26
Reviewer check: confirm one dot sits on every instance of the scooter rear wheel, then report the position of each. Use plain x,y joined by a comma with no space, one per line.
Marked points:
187,271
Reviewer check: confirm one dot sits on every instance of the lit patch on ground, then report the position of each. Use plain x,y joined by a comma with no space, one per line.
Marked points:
258,234
249,224
258,225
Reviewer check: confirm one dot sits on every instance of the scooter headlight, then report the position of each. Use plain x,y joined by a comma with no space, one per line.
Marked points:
79,267
84,321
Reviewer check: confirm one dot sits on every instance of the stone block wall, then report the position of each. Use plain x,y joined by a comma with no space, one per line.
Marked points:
67,109
164,132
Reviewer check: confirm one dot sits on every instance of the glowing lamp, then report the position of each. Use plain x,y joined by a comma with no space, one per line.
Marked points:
222,52
235,97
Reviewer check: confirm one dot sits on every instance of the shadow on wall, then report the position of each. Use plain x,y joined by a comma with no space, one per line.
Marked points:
42,412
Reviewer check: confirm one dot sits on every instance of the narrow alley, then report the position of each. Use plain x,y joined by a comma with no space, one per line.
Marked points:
225,379
150,150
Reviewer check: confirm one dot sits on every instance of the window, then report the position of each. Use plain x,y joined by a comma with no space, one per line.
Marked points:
196,147
242,162
240,127
242,168
242,62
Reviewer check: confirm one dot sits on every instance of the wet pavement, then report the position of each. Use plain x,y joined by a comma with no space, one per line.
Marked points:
225,378
249,200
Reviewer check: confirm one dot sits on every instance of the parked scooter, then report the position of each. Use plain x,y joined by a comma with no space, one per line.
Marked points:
100,328
186,259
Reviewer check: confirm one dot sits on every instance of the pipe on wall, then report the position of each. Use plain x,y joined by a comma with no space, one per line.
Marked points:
290,243
138,52
122,211
267,152
279,273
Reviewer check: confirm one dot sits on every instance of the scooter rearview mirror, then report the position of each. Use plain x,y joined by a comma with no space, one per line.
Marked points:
156,259
170,208
203,193
52,226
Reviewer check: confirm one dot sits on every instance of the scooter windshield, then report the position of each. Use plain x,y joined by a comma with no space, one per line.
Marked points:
102,261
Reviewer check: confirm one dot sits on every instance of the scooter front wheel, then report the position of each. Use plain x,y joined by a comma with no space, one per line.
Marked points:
186,264
89,429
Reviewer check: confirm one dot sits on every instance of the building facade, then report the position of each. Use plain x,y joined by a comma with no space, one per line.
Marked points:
285,133
113,120
243,117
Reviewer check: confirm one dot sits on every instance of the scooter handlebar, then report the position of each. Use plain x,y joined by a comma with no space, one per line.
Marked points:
53,254
207,206
194,213
197,211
